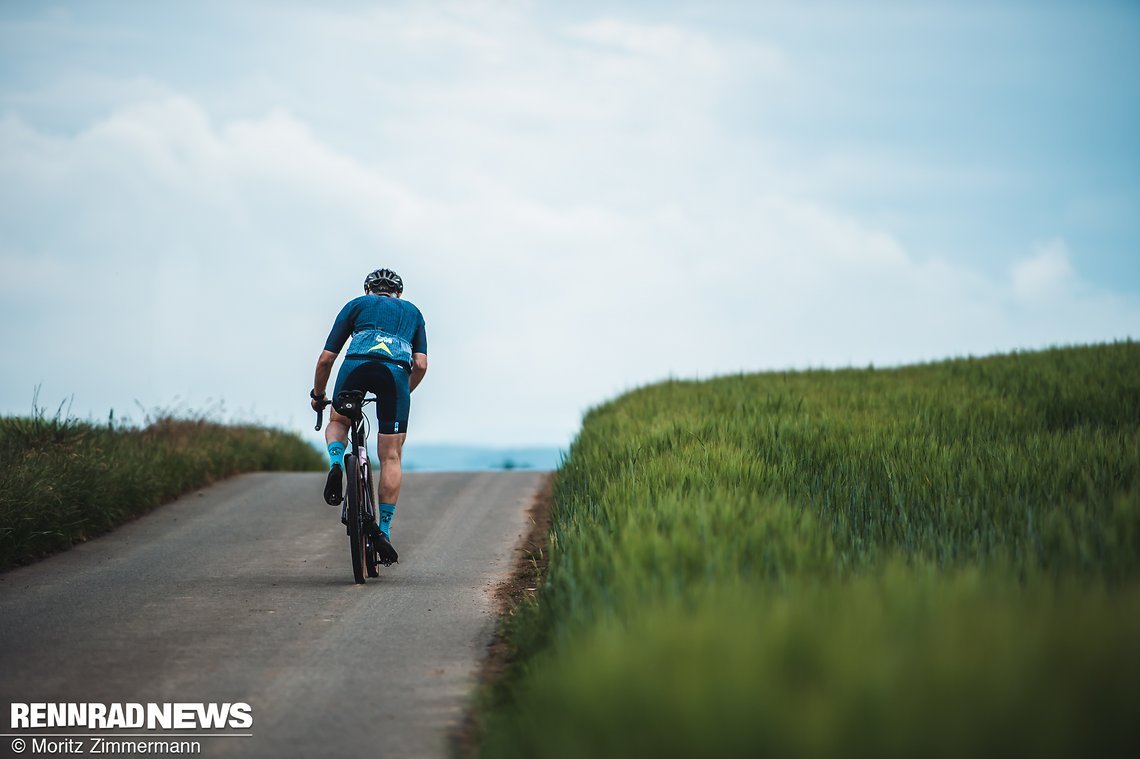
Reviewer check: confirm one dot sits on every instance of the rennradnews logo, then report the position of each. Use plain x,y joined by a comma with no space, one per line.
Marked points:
168,716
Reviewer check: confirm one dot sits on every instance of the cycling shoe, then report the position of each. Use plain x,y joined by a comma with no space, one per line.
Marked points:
333,494
385,552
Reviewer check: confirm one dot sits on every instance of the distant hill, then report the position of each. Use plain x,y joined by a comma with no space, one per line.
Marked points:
460,458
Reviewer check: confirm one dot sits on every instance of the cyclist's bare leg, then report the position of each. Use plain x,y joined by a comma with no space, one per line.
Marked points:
391,450
336,431
337,428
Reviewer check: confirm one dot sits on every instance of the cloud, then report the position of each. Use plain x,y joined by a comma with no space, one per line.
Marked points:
657,43
1044,276
562,199
217,254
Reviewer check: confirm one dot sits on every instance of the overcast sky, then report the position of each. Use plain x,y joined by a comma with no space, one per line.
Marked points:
581,197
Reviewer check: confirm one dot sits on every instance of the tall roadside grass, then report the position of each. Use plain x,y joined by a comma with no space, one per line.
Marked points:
62,480
940,559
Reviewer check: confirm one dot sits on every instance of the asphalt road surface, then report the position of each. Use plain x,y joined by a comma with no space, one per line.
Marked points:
243,593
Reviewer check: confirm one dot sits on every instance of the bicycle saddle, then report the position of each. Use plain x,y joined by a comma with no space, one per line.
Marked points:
348,403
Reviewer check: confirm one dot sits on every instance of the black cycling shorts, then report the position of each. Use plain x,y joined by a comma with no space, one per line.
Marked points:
388,381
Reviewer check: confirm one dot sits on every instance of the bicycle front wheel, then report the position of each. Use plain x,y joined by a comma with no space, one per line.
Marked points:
354,493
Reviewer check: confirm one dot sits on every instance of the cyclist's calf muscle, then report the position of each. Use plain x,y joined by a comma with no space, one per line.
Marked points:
390,451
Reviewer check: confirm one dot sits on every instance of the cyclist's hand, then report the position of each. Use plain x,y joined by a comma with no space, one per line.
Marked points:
318,402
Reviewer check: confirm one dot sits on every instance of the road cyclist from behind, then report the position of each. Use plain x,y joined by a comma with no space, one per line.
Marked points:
387,355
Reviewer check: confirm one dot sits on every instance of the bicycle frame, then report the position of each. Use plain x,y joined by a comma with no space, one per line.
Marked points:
359,511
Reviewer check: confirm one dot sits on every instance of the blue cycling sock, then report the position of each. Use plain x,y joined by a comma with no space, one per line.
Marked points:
336,454
387,511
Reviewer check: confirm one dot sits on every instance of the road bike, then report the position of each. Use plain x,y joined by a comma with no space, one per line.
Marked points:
359,510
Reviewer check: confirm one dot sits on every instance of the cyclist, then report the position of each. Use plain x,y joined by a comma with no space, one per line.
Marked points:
387,356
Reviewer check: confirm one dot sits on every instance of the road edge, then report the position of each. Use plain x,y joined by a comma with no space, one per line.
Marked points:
528,570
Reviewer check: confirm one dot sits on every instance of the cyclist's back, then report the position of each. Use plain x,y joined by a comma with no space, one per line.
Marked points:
385,328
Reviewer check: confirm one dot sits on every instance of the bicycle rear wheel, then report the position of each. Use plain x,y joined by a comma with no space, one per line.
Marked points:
354,493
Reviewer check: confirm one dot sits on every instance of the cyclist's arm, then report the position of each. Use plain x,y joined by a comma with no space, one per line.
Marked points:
339,333
324,369
419,369
419,354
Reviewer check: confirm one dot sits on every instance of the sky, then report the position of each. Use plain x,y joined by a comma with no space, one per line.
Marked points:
582,198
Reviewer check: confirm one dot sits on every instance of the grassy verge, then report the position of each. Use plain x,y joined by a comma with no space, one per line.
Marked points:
62,481
941,559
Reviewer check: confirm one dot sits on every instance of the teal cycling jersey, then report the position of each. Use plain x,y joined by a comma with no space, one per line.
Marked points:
381,327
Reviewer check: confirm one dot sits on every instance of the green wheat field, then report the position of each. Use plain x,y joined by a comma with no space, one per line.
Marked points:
935,560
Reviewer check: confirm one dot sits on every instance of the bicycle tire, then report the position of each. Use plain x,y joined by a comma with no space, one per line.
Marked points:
371,562
355,496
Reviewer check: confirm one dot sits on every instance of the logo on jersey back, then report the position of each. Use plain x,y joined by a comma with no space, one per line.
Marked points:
382,344
370,342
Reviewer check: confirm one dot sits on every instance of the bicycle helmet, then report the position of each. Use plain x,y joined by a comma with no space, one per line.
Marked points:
384,281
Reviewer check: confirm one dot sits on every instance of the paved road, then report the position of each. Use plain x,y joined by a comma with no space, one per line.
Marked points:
244,593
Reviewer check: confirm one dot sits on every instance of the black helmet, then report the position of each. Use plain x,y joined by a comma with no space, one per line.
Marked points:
384,281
